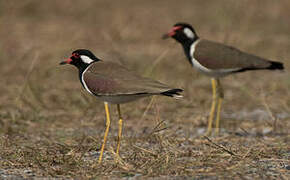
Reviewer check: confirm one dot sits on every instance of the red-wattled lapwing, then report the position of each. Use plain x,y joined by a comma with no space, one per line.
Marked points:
115,84
216,60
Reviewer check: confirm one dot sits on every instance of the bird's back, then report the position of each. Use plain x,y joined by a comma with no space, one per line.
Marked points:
109,78
217,56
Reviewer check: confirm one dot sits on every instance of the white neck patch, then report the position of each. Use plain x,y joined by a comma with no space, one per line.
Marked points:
86,59
83,81
188,33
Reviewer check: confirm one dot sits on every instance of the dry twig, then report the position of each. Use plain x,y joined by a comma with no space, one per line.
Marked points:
221,147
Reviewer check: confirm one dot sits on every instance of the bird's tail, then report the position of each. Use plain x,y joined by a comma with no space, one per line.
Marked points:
276,65
175,93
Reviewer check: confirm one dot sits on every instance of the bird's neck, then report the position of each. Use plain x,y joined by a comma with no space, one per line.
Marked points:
186,47
82,68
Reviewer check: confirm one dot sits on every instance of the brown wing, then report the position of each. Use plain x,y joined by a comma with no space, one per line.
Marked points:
216,56
108,78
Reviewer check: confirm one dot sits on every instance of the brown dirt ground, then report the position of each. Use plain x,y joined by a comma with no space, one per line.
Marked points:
50,127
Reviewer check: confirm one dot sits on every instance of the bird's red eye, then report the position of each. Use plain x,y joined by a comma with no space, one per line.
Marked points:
75,55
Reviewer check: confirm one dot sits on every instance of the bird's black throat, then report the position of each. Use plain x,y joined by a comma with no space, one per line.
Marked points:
186,47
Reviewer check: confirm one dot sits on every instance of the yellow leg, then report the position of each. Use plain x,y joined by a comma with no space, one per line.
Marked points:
217,128
106,132
213,105
220,99
120,129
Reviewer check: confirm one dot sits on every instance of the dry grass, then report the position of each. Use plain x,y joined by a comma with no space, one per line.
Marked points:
50,127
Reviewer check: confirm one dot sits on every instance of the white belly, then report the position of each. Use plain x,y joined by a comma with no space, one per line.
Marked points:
213,73
122,98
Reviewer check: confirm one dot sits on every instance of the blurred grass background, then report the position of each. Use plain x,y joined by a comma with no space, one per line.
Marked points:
43,104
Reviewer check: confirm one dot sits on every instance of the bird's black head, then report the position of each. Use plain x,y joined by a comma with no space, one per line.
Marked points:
81,58
182,32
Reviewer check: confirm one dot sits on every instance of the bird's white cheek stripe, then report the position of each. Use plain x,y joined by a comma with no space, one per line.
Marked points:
188,33
83,81
86,59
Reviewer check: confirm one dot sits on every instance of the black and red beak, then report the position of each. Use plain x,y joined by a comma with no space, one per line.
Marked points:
172,32
68,61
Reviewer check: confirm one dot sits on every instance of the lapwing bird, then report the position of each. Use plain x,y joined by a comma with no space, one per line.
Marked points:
216,60
114,84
